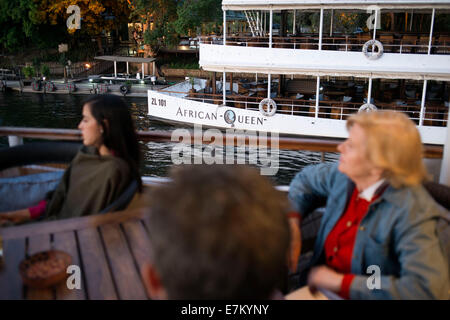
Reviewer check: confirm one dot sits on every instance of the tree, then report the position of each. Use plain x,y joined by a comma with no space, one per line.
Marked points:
158,16
17,22
42,23
97,17
168,19
193,13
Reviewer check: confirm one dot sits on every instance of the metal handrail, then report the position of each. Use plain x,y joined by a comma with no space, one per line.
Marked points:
349,43
288,143
298,106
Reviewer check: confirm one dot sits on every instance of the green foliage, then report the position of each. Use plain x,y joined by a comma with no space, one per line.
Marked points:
41,24
193,13
183,65
28,72
45,70
21,26
160,14
178,63
172,18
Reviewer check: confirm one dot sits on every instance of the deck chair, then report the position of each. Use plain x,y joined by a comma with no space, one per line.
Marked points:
423,44
388,42
408,43
443,45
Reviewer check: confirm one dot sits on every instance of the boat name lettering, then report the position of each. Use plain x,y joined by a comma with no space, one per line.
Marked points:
158,102
250,120
196,114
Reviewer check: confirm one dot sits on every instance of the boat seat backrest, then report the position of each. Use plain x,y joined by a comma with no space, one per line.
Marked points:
38,153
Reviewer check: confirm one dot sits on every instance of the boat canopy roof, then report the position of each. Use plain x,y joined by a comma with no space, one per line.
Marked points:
332,4
125,59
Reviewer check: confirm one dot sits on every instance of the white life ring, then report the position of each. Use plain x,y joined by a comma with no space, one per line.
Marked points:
367,107
124,89
373,55
271,107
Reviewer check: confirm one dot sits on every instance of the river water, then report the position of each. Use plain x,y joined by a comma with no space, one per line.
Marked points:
64,111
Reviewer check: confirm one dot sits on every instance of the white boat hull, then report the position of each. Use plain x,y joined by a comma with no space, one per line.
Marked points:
175,109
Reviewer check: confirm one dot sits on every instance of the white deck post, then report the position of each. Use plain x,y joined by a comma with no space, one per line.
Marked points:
369,90
127,68
143,72
445,167
331,22
375,26
270,28
224,27
224,88
320,28
257,23
263,19
431,31
269,80
317,97
115,69
422,105
293,24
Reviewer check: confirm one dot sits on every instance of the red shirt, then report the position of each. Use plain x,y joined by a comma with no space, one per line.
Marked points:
341,240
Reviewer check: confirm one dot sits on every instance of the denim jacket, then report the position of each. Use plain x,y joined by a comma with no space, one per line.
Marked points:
397,234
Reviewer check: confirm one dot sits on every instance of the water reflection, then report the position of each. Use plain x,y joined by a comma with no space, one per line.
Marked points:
64,111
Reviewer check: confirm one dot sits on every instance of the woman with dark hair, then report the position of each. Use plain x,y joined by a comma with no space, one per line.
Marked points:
102,169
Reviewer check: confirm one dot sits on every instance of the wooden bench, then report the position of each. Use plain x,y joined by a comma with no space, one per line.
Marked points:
110,250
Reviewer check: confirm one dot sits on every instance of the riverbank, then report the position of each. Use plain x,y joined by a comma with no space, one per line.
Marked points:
82,88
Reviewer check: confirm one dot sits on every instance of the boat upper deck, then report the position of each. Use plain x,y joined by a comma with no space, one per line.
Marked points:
393,42
377,39
332,4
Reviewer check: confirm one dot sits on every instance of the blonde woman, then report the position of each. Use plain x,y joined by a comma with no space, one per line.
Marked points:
377,238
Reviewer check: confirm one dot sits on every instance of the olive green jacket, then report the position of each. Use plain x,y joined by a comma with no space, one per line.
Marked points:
89,184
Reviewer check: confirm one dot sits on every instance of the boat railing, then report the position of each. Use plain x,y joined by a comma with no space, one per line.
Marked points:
323,145
404,44
434,114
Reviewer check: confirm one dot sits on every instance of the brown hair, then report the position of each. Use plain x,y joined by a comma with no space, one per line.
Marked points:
218,232
393,144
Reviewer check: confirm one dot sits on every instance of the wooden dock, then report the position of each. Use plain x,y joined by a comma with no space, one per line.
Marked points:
84,88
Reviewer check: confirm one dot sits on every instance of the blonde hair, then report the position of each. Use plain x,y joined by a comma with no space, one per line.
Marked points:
394,145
